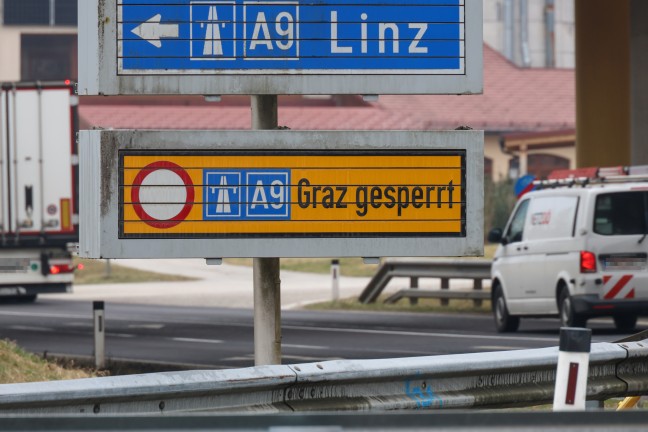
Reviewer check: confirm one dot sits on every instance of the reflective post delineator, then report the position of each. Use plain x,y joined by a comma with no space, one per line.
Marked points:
335,278
573,365
99,334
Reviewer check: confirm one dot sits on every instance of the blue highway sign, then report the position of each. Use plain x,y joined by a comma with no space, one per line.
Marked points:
410,37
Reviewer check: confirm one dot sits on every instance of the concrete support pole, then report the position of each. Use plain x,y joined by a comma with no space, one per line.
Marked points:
639,65
99,334
603,87
267,284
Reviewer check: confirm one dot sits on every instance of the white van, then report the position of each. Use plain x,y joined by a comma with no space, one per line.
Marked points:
577,250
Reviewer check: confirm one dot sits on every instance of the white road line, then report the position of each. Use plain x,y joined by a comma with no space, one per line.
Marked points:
46,315
31,328
313,347
210,341
120,335
411,333
146,326
239,358
324,329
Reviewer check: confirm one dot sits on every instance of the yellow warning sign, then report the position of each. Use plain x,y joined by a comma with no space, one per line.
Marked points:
229,194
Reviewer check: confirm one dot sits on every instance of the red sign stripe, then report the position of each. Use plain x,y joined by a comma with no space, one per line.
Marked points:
606,279
618,287
631,294
572,378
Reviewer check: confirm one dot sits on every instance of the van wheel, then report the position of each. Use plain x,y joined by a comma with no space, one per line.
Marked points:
504,322
569,318
625,322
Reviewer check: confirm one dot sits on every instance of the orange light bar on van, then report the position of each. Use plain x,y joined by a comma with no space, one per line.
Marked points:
587,262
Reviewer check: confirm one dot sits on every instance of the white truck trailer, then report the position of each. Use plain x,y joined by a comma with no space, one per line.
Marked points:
38,188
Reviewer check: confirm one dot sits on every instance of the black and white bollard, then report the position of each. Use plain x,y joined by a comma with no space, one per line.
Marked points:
99,334
573,366
335,277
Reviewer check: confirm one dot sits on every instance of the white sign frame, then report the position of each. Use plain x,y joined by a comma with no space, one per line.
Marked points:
99,182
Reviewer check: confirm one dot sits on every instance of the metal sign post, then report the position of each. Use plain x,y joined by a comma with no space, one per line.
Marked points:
267,282
271,194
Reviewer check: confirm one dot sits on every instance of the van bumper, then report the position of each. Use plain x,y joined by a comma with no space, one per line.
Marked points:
592,305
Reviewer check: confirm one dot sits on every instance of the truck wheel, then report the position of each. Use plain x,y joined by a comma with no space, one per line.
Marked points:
19,298
625,322
31,298
569,318
504,322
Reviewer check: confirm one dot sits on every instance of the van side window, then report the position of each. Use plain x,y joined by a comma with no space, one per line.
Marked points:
516,228
620,213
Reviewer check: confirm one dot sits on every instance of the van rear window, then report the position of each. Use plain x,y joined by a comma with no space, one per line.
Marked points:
620,213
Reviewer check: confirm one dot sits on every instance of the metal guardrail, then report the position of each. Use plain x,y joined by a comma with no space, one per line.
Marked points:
338,422
496,379
477,270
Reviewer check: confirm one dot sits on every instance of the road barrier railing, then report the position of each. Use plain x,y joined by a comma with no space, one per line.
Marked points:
495,379
444,269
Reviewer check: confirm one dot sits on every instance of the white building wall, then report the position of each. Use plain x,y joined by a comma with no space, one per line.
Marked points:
565,34
495,31
9,54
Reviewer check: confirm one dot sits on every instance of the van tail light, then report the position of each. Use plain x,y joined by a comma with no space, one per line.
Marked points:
61,268
587,262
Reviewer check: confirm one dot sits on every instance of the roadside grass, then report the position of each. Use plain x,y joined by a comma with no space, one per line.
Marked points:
423,306
19,366
95,272
348,266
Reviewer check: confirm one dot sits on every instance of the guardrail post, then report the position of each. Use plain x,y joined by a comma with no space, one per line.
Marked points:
573,366
99,334
478,285
108,270
414,284
445,284
335,278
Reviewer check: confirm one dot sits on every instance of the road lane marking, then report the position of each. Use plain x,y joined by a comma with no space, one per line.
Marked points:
210,341
313,347
321,329
411,333
31,328
45,315
146,326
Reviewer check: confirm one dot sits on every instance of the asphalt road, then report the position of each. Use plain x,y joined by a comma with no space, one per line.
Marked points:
212,337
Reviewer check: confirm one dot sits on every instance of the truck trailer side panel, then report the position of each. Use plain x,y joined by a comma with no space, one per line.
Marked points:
38,194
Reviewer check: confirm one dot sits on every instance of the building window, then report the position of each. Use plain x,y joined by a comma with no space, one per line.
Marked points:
488,167
40,12
541,165
48,57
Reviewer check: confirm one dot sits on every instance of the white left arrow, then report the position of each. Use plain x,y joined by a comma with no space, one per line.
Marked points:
153,30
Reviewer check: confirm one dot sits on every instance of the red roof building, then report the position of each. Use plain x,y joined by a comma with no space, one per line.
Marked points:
516,102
